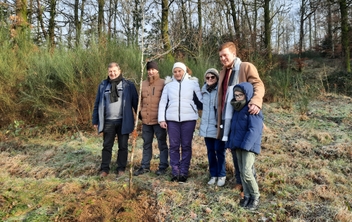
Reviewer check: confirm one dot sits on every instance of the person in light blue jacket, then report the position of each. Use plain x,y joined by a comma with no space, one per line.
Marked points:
244,137
208,129
178,113
113,115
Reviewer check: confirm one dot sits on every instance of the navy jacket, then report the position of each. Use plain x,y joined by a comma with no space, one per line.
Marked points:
246,129
129,103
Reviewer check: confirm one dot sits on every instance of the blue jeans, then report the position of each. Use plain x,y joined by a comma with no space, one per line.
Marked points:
148,132
216,157
180,136
111,129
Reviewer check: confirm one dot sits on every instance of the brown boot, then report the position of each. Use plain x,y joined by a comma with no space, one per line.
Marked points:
103,174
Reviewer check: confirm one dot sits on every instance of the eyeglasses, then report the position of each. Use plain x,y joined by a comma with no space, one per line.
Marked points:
209,77
239,95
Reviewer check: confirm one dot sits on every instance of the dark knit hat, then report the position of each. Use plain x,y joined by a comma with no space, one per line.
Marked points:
212,71
152,65
238,89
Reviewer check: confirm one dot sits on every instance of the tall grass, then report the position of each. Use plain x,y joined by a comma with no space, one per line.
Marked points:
57,87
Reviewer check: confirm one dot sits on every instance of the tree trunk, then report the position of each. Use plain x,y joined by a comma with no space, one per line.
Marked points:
301,28
165,26
200,25
21,11
40,19
115,16
101,4
329,41
51,28
267,30
344,34
184,16
136,21
234,20
30,13
77,22
110,16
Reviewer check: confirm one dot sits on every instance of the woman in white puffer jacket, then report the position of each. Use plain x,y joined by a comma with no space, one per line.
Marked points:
178,112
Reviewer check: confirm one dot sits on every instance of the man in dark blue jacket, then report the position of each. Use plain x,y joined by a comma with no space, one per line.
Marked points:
113,115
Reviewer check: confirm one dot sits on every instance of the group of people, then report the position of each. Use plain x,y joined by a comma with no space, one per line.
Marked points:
231,103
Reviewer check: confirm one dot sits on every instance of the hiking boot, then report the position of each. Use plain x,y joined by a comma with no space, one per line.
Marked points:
244,202
182,179
253,204
174,178
141,171
103,174
212,181
160,172
221,181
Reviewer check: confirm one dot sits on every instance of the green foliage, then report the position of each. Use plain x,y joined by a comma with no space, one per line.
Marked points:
339,82
56,88
59,85
279,87
288,87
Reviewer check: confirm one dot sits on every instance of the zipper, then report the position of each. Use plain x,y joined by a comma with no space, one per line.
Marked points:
179,102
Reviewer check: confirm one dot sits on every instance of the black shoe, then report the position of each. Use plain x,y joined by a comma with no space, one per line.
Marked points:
244,202
182,179
174,178
253,204
160,172
141,171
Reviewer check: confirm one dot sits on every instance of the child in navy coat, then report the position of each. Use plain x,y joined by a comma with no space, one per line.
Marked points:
244,136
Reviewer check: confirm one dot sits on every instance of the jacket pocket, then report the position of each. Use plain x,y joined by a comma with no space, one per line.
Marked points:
194,110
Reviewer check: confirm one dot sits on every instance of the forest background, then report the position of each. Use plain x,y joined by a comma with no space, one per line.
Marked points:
55,53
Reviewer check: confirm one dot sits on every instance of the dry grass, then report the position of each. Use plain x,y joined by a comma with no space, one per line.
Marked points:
304,174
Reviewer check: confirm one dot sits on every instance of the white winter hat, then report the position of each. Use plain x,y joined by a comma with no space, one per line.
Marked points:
180,65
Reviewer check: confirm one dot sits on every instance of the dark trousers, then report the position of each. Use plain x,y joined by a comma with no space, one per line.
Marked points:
148,132
180,135
111,129
237,168
216,157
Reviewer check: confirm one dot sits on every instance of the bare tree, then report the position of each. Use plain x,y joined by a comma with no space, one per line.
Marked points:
51,27
101,4
165,6
345,40
235,21
78,19
307,8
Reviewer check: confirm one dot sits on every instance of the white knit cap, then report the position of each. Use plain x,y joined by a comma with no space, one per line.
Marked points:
180,65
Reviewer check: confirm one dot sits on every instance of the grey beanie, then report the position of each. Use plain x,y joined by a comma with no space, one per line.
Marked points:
212,71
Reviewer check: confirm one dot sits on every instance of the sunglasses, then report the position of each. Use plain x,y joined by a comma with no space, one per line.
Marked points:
210,77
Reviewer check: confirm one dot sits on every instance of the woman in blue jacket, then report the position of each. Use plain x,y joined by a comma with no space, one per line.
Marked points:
208,129
245,137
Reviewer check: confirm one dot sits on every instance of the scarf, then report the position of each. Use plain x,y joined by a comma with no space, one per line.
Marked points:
114,95
211,87
238,105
